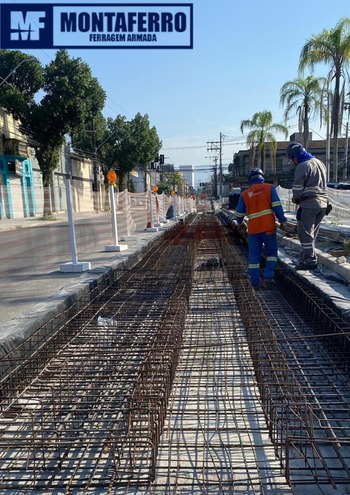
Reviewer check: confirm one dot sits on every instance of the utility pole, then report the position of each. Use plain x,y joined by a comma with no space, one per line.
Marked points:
345,169
217,147
215,160
215,174
221,173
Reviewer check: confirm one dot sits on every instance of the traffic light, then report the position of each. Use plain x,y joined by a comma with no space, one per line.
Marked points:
161,159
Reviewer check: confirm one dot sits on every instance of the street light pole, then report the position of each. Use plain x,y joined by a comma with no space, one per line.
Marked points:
328,142
95,186
14,70
221,174
345,169
95,167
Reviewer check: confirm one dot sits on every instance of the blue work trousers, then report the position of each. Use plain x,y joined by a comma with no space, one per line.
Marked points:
256,242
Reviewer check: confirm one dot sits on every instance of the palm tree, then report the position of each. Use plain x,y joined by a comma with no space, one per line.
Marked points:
304,97
262,135
331,47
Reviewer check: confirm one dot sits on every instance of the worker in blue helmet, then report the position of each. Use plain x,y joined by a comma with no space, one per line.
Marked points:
262,205
310,194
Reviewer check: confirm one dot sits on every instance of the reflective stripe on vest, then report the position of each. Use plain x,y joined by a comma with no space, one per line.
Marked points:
257,200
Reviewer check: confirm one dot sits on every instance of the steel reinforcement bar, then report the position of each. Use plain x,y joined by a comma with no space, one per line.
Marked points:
83,401
84,407
301,374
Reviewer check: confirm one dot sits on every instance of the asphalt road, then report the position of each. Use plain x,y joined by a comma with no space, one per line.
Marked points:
31,254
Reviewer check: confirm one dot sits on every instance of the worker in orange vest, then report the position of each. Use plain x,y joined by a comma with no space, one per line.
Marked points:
262,205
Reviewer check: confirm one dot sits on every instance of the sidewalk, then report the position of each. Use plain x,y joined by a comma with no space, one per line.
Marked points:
19,223
28,301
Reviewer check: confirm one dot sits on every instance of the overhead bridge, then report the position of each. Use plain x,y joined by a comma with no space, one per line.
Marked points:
174,376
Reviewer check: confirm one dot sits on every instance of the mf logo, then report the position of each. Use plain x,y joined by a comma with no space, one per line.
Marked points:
26,26
124,25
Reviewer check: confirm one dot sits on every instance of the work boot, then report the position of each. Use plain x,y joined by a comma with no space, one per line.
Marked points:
306,266
269,283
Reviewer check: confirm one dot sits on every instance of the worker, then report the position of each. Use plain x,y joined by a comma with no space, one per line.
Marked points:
234,197
310,194
262,205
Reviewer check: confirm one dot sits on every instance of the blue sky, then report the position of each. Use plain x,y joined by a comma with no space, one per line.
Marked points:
243,52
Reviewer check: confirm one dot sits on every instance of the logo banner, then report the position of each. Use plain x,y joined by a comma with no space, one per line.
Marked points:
56,26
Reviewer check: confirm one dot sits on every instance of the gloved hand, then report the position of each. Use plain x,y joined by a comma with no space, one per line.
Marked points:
283,225
288,229
242,228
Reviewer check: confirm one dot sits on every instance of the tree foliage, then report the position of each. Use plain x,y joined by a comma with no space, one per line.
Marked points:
139,146
262,135
125,145
71,98
331,47
21,77
303,97
86,141
171,181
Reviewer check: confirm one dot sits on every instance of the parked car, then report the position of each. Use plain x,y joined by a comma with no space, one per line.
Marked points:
344,185
338,185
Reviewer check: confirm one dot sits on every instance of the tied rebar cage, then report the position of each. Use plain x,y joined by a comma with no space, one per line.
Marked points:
280,392
83,406
307,415
174,376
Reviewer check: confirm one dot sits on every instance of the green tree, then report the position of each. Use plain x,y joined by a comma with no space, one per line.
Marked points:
110,148
138,146
123,145
304,98
85,141
171,181
262,135
331,47
71,98
21,77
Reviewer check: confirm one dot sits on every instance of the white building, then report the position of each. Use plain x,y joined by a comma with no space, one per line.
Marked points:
187,172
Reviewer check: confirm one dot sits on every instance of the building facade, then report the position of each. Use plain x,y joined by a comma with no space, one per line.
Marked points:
21,187
187,172
280,171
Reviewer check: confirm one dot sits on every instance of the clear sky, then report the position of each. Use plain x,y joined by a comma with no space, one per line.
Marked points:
243,52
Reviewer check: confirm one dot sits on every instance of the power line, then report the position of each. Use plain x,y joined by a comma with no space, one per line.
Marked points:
183,147
200,146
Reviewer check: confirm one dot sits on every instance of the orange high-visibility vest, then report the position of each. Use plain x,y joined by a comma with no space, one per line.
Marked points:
257,200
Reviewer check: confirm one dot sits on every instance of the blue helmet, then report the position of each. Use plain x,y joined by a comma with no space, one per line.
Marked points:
256,172
294,149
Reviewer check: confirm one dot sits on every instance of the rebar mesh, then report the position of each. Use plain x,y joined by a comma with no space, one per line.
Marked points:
90,401
301,361
175,375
